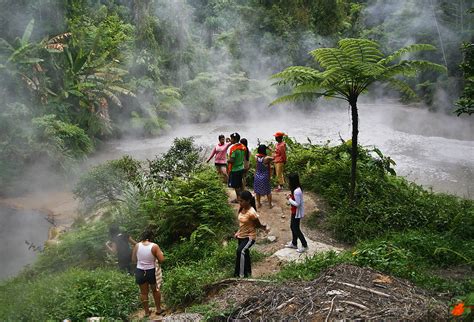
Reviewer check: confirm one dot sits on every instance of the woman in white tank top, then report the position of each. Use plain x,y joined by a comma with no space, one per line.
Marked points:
145,254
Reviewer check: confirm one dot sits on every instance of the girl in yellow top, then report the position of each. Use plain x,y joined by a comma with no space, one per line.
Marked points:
247,233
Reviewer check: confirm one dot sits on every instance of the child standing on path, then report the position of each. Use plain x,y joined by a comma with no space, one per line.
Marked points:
261,183
297,212
279,159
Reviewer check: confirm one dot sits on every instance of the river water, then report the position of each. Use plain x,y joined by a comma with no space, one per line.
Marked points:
20,232
434,150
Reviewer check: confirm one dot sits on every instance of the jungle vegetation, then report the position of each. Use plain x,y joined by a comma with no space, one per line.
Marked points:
76,73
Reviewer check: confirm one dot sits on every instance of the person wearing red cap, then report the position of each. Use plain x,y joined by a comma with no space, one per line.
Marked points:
279,159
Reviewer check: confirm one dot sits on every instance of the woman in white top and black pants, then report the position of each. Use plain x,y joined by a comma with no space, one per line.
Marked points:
144,254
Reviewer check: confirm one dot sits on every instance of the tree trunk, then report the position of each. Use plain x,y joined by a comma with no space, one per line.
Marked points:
354,149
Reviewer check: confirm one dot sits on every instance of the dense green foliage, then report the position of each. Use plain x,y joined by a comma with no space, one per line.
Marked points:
74,294
117,68
387,202
191,218
397,227
75,73
466,101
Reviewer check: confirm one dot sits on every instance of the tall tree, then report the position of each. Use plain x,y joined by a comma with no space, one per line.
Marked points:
348,71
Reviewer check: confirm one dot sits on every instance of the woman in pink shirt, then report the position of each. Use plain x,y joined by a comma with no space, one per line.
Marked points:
220,153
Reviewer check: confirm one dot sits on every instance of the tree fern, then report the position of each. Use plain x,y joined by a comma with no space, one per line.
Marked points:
347,71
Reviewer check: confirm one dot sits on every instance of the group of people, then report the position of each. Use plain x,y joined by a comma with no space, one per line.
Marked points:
232,161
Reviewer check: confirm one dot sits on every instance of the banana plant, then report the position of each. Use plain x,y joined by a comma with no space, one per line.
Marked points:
20,62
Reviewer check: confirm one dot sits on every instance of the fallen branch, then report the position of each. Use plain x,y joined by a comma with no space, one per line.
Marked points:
284,303
362,288
330,309
360,306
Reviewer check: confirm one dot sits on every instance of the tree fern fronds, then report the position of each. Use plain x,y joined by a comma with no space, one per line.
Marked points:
402,87
406,50
296,75
330,58
361,50
296,97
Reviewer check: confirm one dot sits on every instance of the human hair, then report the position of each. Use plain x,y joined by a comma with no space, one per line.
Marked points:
221,136
114,230
247,196
148,234
235,136
262,149
247,152
294,181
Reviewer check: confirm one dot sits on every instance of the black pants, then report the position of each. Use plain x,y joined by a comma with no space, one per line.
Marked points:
242,260
296,232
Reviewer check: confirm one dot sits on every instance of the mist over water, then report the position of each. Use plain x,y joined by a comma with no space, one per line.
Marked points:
431,149
18,226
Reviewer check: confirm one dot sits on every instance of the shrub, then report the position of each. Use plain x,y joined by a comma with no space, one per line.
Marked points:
82,247
311,267
185,283
184,204
180,161
74,294
385,202
66,138
106,182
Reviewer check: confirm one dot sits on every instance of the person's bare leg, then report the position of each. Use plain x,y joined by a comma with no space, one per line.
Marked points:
237,193
259,204
157,298
269,197
226,177
144,297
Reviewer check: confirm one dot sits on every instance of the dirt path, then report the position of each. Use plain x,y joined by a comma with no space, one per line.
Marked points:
278,218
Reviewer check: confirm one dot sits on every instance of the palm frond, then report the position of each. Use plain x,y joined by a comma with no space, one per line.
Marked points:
405,50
